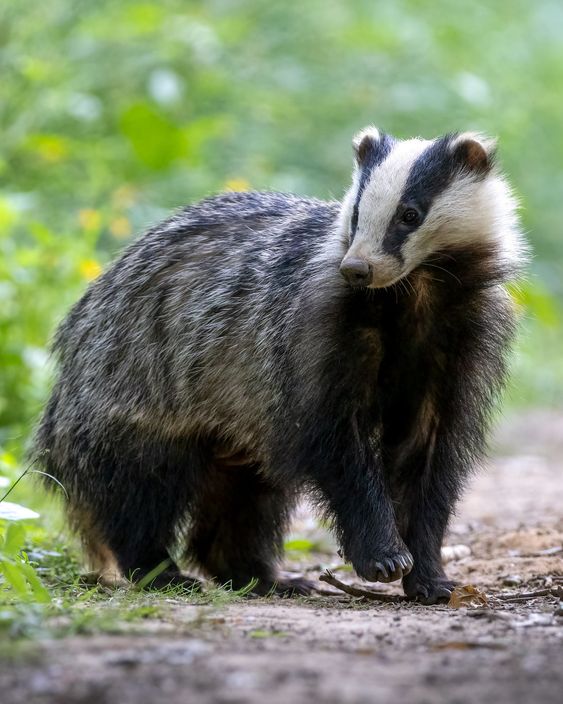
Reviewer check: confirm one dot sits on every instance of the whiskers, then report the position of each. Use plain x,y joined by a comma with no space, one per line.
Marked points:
406,286
441,268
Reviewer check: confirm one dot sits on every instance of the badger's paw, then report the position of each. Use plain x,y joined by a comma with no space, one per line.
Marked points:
428,590
387,567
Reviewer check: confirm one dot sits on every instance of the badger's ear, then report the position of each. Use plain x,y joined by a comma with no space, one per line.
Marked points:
475,152
366,143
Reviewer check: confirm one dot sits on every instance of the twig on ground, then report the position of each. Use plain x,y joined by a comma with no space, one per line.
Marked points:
525,596
331,593
329,578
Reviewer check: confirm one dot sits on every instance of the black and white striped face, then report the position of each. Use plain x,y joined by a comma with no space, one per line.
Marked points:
415,198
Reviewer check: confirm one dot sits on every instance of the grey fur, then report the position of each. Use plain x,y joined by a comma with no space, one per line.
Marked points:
176,338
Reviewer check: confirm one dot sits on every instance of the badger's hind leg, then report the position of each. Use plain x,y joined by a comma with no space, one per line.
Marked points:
238,525
131,520
105,569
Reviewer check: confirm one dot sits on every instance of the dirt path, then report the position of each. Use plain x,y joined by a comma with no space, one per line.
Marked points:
340,649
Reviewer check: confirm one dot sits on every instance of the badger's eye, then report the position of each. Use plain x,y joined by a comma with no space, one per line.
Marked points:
410,217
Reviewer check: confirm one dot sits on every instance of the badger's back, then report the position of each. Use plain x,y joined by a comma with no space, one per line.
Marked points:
183,334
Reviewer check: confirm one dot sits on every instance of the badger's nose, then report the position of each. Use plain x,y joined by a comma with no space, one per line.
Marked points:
356,271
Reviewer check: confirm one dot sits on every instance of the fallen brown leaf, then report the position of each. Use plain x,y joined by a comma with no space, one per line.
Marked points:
467,595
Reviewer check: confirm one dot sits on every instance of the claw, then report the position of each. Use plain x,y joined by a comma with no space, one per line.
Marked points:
381,568
428,592
391,567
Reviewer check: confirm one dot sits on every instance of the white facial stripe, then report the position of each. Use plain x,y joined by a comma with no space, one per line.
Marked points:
381,197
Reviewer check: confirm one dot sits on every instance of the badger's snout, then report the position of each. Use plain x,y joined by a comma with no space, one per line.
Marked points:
356,271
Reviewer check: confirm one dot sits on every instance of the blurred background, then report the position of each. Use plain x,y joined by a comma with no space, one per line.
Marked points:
114,113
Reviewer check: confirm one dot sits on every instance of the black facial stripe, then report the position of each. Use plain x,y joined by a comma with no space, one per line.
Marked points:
430,175
376,155
354,220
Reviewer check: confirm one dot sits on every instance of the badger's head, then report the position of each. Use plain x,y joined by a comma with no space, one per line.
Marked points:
412,200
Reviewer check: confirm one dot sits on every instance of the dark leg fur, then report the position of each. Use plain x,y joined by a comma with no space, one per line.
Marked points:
137,503
436,404
152,508
337,451
426,491
424,482
348,480
237,529
365,519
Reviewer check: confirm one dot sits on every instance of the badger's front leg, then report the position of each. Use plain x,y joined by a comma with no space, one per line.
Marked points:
436,414
426,458
426,488
347,473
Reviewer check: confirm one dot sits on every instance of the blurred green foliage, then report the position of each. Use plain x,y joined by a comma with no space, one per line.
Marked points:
113,113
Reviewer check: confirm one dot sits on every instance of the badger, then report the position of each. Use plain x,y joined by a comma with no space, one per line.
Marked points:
257,346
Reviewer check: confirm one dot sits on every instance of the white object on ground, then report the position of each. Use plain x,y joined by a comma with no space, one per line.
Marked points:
455,552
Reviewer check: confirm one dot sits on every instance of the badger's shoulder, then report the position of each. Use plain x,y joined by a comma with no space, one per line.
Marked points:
250,203
259,207
247,219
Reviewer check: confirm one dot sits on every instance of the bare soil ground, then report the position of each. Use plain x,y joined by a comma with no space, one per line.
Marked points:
336,648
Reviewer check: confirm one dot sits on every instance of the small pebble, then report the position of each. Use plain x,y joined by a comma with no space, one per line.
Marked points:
512,580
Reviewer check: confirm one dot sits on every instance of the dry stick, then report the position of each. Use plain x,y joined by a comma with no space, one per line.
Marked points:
331,593
329,578
554,591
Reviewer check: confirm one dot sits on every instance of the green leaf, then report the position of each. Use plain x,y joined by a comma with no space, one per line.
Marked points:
14,540
15,576
153,574
39,592
156,140
300,545
538,301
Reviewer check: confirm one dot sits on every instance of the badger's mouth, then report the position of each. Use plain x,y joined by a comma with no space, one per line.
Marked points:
388,284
